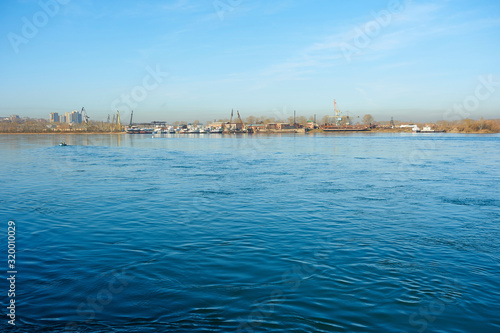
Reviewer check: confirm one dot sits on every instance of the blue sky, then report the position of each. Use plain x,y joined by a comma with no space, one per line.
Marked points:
187,60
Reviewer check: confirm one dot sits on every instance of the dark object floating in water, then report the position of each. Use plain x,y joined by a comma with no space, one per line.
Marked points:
63,144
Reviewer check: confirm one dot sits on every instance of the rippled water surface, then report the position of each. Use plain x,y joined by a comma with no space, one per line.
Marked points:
325,233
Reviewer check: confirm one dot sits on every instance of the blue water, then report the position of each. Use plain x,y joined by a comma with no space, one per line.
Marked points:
307,233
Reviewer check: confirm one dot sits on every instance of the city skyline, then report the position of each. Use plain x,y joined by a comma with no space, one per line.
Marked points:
73,117
187,60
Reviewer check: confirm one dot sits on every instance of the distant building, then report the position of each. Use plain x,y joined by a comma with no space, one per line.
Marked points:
256,127
311,124
217,124
14,117
227,126
281,126
289,126
54,117
74,117
234,126
77,116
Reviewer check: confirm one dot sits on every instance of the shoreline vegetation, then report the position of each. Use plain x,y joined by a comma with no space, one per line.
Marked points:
42,126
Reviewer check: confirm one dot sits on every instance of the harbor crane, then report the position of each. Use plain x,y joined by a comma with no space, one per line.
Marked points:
85,116
241,121
118,122
338,114
131,115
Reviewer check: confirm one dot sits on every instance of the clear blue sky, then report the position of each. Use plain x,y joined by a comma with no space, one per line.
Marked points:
414,61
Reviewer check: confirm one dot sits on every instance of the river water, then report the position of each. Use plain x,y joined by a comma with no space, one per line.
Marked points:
234,233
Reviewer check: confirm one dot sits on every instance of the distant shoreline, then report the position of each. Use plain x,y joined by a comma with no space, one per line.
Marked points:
58,133
315,131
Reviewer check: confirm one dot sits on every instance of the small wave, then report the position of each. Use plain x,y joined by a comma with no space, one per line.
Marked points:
182,167
326,190
472,202
215,192
371,198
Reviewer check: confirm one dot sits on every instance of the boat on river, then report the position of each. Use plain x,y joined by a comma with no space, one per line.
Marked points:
139,130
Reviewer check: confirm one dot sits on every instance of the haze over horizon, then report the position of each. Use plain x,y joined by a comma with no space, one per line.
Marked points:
187,60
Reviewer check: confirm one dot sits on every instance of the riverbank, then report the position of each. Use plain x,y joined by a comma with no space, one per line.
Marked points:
60,133
295,131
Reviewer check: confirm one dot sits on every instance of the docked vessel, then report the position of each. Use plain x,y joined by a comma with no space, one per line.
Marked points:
216,130
428,129
139,130
135,129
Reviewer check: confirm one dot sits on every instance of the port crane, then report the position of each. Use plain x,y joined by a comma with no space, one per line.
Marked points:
342,120
338,114
342,123
241,121
118,122
85,116
131,115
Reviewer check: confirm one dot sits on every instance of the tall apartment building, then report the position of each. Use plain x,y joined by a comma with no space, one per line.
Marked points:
74,117
54,117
